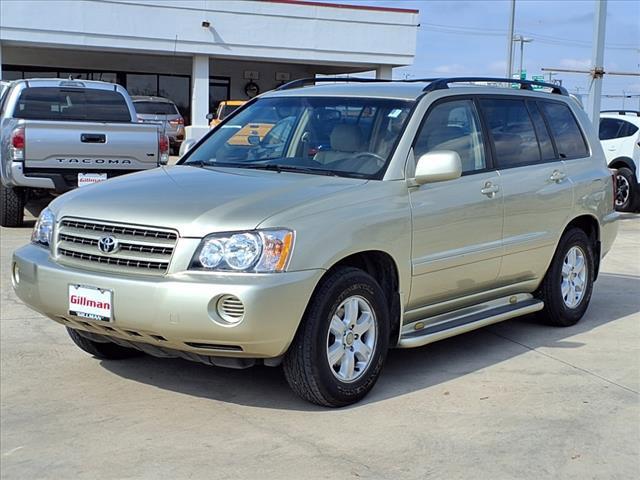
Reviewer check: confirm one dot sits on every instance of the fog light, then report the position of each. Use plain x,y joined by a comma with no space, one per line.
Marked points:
230,308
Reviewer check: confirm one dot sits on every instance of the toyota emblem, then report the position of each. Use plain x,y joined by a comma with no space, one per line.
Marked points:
108,244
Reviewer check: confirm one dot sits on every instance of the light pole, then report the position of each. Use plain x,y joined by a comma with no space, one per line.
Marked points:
522,40
512,17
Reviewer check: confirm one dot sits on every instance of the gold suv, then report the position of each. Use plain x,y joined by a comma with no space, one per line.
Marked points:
371,215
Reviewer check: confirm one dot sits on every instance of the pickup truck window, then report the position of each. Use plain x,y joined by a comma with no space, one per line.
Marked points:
353,137
72,104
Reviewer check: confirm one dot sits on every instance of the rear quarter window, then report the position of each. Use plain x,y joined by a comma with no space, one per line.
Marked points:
72,104
565,130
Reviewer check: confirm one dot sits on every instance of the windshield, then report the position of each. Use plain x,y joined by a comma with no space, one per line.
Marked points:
340,136
227,110
155,108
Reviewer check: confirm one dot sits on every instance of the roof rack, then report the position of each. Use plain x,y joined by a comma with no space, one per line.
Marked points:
623,112
443,83
434,83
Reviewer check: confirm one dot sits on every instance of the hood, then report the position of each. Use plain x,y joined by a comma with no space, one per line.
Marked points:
198,201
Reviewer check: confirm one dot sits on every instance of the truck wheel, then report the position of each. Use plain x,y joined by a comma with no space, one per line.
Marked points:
338,351
626,190
107,351
11,206
567,286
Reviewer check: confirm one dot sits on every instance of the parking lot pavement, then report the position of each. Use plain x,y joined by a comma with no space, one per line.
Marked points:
515,400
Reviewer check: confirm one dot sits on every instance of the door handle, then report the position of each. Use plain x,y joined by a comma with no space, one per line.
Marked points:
557,176
490,189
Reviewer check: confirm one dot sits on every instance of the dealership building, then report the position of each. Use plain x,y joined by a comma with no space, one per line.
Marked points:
199,52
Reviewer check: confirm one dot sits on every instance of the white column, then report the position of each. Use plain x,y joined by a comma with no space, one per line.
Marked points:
384,72
199,97
0,60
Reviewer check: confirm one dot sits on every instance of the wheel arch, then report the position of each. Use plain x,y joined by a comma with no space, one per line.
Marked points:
588,224
384,269
623,162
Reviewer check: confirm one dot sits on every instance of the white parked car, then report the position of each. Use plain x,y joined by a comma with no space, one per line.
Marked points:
620,137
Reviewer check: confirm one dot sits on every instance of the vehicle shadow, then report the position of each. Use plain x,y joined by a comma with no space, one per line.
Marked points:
405,371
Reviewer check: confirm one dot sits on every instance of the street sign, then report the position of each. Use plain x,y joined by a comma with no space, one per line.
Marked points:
537,78
523,75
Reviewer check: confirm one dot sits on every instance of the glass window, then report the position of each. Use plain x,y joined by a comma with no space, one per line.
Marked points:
155,108
342,136
105,77
42,74
54,103
177,90
565,130
142,84
610,128
628,129
544,139
512,133
11,74
453,126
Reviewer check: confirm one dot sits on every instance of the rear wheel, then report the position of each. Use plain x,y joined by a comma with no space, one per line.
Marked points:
626,190
12,202
338,352
567,286
107,351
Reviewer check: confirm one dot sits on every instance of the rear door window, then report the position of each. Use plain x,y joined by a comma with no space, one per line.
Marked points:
544,139
155,108
72,104
565,130
512,132
610,128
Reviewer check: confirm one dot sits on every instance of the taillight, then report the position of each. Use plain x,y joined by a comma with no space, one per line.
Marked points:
17,143
163,148
614,183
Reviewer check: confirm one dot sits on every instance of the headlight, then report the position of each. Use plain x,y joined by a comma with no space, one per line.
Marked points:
43,231
256,251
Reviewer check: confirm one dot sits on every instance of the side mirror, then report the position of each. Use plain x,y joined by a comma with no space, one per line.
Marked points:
438,166
210,116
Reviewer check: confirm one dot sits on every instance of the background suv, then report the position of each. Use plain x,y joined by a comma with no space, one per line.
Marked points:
620,137
370,215
165,113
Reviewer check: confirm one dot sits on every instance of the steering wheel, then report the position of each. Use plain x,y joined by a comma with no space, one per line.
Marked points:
379,160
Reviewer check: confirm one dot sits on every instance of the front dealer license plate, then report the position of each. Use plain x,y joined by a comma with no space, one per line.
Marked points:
90,302
85,179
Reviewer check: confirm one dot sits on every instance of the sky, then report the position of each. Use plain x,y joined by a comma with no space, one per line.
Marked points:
458,38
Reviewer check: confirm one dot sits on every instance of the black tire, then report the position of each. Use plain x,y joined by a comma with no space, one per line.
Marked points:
107,351
556,312
306,364
626,191
11,206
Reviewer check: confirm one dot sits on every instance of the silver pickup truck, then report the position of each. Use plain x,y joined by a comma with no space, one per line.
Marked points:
57,135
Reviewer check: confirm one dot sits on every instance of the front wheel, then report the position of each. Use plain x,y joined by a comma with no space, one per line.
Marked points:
338,352
567,286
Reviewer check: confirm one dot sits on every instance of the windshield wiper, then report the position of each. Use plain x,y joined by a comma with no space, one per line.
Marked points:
292,168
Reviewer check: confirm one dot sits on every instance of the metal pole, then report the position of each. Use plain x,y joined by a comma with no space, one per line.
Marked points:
521,55
597,59
624,97
512,18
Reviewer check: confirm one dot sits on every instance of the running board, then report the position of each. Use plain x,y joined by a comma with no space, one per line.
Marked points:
429,330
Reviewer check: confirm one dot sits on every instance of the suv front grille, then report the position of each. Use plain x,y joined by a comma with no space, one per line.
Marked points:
139,250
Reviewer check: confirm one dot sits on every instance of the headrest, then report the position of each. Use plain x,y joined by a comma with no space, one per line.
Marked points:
346,138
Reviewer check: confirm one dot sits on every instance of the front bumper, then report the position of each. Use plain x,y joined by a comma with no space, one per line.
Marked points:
176,310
